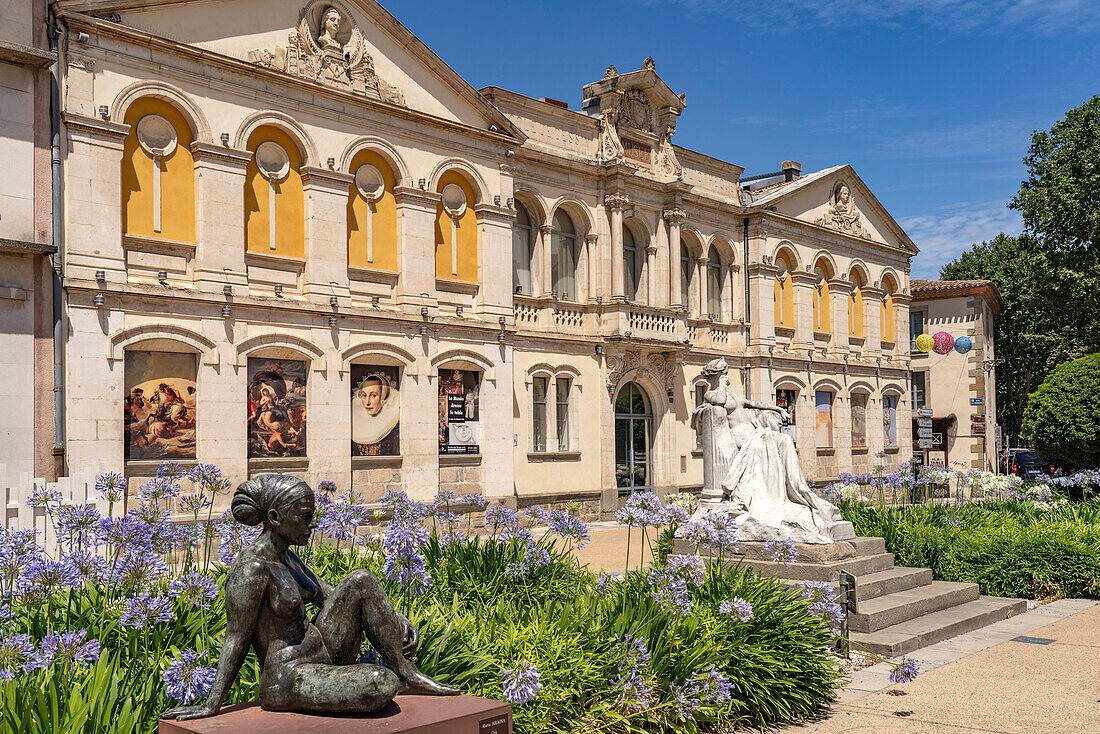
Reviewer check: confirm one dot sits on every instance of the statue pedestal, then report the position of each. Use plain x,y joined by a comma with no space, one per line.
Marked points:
405,715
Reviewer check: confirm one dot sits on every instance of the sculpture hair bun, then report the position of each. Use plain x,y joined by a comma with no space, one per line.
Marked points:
259,495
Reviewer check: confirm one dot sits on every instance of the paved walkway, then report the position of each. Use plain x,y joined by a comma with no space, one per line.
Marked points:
607,549
985,682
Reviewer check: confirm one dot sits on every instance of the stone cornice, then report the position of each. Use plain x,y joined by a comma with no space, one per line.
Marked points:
95,126
824,233
314,176
207,151
417,197
25,247
17,53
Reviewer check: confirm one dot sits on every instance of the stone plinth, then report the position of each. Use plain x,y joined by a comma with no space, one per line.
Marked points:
405,715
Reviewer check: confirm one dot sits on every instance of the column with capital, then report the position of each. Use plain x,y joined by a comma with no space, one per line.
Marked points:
674,217
546,261
591,241
616,203
701,279
651,274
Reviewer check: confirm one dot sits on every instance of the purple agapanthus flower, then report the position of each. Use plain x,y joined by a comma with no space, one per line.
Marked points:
402,543
782,551
209,477
904,671
631,656
521,682
91,567
822,599
128,531
642,509
569,527
45,576
43,496
112,487
67,648
603,583
16,655
173,471
704,689
669,590
233,538
195,589
136,569
145,610
736,607
186,680
500,520
327,486
475,499
194,503
77,524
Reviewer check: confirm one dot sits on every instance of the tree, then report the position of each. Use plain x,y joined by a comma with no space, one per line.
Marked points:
1062,418
1050,276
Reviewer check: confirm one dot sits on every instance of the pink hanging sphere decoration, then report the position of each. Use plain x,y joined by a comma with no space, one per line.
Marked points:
942,342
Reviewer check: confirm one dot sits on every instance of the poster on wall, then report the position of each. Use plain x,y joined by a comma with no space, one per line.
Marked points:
890,420
159,407
276,407
375,410
859,420
459,427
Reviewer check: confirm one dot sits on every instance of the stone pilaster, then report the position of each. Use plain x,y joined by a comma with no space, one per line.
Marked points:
219,223
93,198
804,284
494,235
674,218
592,244
326,233
416,246
616,203
762,298
546,261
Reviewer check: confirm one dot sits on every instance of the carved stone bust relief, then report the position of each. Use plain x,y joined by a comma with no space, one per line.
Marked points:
327,47
842,214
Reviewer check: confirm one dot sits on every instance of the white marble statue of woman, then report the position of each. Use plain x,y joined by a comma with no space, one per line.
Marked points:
762,485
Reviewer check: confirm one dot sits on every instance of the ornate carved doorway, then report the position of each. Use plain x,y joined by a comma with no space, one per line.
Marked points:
633,439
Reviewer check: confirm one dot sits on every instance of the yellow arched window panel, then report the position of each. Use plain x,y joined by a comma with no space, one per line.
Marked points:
887,312
456,229
784,291
372,213
274,170
855,307
158,173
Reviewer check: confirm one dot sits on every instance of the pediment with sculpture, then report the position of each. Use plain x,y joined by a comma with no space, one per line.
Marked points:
842,214
326,46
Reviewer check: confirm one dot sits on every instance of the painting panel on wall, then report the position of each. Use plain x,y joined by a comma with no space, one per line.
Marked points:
859,420
459,412
159,407
276,407
823,400
375,410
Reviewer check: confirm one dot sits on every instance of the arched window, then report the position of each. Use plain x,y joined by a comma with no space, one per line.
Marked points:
158,173
855,307
714,284
887,315
372,213
274,207
784,291
633,433
523,252
822,299
687,270
631,265
456,229
563,254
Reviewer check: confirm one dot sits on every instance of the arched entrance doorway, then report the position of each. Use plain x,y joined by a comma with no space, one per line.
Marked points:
633,439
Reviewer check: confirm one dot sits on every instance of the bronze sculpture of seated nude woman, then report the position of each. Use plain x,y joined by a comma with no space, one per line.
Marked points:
307,665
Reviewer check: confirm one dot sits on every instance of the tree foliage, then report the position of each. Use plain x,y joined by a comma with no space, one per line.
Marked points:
1049,276
1062,419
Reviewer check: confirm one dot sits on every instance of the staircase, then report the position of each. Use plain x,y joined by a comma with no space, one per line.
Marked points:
897,609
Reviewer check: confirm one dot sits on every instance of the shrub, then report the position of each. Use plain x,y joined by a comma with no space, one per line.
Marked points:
1062,417
1017,549
512,601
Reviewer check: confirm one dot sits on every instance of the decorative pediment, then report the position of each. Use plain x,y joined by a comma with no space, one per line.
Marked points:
327,47
842,214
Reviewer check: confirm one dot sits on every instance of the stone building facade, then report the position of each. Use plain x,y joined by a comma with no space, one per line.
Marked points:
959,388
26,277
304,244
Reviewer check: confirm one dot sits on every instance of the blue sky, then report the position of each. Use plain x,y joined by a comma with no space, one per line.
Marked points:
932,101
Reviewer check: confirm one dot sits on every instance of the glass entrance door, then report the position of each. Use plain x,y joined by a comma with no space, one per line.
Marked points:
633,438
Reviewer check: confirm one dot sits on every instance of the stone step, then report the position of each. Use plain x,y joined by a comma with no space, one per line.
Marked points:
829,571
898,578
902,606
929,629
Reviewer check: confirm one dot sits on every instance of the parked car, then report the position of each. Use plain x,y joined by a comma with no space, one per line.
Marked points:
1028,465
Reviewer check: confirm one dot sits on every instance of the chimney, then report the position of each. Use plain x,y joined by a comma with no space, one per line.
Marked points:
791,170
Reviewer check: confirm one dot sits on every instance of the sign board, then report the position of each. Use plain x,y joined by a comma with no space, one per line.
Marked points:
977,429
924,422
924,432
937,458
977,401
924,412
977,417
925,443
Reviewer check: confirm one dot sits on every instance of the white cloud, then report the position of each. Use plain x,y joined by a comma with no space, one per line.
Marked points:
952,16
945,233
